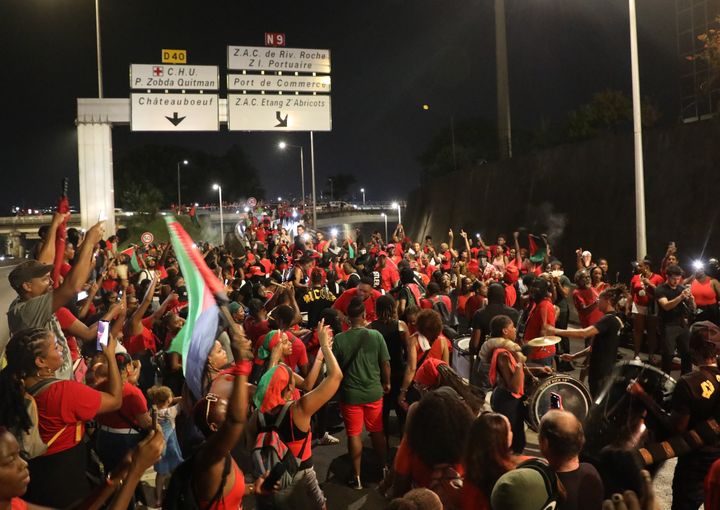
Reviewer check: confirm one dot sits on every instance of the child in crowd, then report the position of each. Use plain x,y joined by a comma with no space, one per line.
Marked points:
167,407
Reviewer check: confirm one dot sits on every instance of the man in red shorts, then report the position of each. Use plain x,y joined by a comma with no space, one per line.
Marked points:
365,362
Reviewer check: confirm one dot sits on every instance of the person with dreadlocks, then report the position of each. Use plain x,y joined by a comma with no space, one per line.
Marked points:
434,374
33,357
279,409
403,358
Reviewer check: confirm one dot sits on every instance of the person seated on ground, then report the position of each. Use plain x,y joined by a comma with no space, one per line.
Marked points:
120,485
562,438
487,457
63,407
432,447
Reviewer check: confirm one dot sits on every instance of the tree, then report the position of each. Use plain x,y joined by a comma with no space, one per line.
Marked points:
156,167
609,111
475,144
141,197
710,55
341,185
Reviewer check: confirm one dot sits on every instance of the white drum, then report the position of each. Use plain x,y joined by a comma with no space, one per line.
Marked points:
460,361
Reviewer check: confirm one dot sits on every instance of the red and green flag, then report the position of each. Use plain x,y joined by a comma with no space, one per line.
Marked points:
538,249
197,337
134,261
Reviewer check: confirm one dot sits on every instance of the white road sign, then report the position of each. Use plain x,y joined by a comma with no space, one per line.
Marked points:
264,112
174,77
174,112
282,83
260,58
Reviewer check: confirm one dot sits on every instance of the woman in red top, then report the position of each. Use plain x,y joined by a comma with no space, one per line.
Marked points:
644,308
222,421
597,279
430,341
63,407
432,447
15,476
542,313
705,290
585,298
487,457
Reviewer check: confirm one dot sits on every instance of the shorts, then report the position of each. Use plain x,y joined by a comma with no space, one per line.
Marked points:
644,310
354,415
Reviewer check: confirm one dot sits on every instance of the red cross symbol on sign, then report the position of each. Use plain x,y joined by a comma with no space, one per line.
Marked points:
157,71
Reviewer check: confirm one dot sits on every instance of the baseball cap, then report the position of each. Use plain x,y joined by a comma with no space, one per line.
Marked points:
27,271
530,486
256,271
382,254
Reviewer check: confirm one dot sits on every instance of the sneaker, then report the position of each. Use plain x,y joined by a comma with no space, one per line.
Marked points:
327,439
355,483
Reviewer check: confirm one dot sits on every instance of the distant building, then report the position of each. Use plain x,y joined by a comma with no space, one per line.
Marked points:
694,17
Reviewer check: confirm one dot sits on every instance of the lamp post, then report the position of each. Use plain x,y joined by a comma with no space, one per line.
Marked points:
362,190
396,205
184,162
222,230
98,49
385,218
283,146
640,234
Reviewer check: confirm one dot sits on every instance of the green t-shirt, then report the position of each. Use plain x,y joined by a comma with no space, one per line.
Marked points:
361,382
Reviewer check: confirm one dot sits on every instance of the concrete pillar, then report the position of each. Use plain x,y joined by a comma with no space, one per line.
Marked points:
95,165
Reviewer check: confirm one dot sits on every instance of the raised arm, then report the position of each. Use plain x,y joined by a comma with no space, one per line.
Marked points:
516,240
80,271
138,314
315,399
47,253
111,400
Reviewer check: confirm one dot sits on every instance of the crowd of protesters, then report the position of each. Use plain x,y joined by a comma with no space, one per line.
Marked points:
325,326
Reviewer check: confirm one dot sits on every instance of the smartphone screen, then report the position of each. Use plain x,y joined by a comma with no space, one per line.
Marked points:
82,295
120,295
102,334
555,401
102,216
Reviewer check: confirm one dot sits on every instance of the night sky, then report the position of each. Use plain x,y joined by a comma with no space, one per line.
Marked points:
388,58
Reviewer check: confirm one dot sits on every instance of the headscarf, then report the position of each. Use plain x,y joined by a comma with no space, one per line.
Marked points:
271,339
428,373
271,387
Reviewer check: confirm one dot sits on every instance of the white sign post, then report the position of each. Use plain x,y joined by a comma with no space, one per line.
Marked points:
279,83
174,77
261,112
174,112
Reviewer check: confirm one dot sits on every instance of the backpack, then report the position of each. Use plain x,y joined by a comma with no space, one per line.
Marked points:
270,450
31,444
447,483
180,495
440,307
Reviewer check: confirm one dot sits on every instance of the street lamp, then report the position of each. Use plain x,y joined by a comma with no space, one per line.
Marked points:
222,230
385,218
283,146
184,162
362,190
396,205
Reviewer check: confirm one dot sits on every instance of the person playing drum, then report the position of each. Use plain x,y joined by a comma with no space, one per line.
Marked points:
507,375
605,335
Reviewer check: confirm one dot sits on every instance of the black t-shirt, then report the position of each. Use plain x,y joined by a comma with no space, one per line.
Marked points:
584,488
481,319
697,394
605,344
314,302
678,314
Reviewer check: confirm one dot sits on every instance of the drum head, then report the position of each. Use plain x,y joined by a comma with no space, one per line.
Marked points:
575,398
616,416
463,343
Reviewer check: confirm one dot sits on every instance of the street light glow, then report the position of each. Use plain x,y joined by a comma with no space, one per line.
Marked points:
246,209
216,186
362,190
185,162
394,205
282,145
279,199
384,215
334,232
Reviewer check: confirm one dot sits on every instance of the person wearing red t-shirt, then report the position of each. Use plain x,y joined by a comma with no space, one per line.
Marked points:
282,318
122,430
389,275
73,327
140,342
585,298
256,323
364,291
542,313
644,308
33,356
